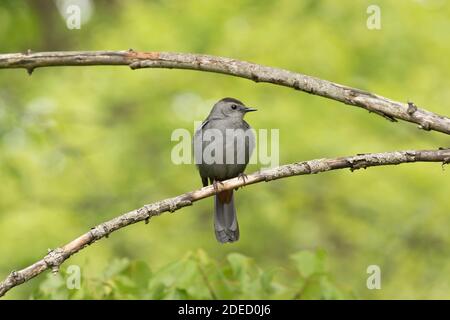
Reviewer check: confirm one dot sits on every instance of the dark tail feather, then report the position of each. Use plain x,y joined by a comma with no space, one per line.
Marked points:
225,220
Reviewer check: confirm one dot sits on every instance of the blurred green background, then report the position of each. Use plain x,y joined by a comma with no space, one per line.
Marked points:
81,145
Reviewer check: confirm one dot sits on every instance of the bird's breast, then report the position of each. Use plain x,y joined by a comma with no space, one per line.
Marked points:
225,148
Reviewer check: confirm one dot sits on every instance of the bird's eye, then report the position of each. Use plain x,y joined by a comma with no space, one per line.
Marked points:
234,107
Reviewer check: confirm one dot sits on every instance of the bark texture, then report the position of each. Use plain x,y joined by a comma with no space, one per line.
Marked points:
387,108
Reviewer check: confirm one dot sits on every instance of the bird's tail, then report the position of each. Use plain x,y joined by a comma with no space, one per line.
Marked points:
225,220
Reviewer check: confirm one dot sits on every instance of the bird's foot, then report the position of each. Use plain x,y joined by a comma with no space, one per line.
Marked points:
216,185
244,178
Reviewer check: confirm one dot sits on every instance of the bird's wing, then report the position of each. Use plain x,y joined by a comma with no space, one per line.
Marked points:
196,144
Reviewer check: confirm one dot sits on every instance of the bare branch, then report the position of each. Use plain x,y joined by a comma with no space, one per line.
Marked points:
57,256
389,109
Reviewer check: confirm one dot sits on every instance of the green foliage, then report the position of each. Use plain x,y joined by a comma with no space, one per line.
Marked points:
197,276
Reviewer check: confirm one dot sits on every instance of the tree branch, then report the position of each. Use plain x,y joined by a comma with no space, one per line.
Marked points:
56,257
389,109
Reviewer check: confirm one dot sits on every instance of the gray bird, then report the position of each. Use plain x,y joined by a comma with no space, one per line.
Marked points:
222,146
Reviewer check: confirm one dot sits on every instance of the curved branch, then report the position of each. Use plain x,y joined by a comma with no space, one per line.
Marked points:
56,257
389,109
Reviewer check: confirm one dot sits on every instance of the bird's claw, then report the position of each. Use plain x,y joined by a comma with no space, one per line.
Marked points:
216,185
243,176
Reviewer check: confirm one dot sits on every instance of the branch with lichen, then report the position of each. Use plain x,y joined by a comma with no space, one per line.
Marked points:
56,257
387,108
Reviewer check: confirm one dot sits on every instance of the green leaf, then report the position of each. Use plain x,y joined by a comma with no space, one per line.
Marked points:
266,280
309,263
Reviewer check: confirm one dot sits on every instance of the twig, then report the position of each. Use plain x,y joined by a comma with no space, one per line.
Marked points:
389,109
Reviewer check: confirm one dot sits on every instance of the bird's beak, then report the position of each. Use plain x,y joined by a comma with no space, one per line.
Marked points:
249,109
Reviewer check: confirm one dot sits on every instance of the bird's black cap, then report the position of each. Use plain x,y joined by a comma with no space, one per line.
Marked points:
231,100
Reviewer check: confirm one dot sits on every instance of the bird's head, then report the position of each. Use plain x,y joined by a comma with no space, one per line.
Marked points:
229,108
